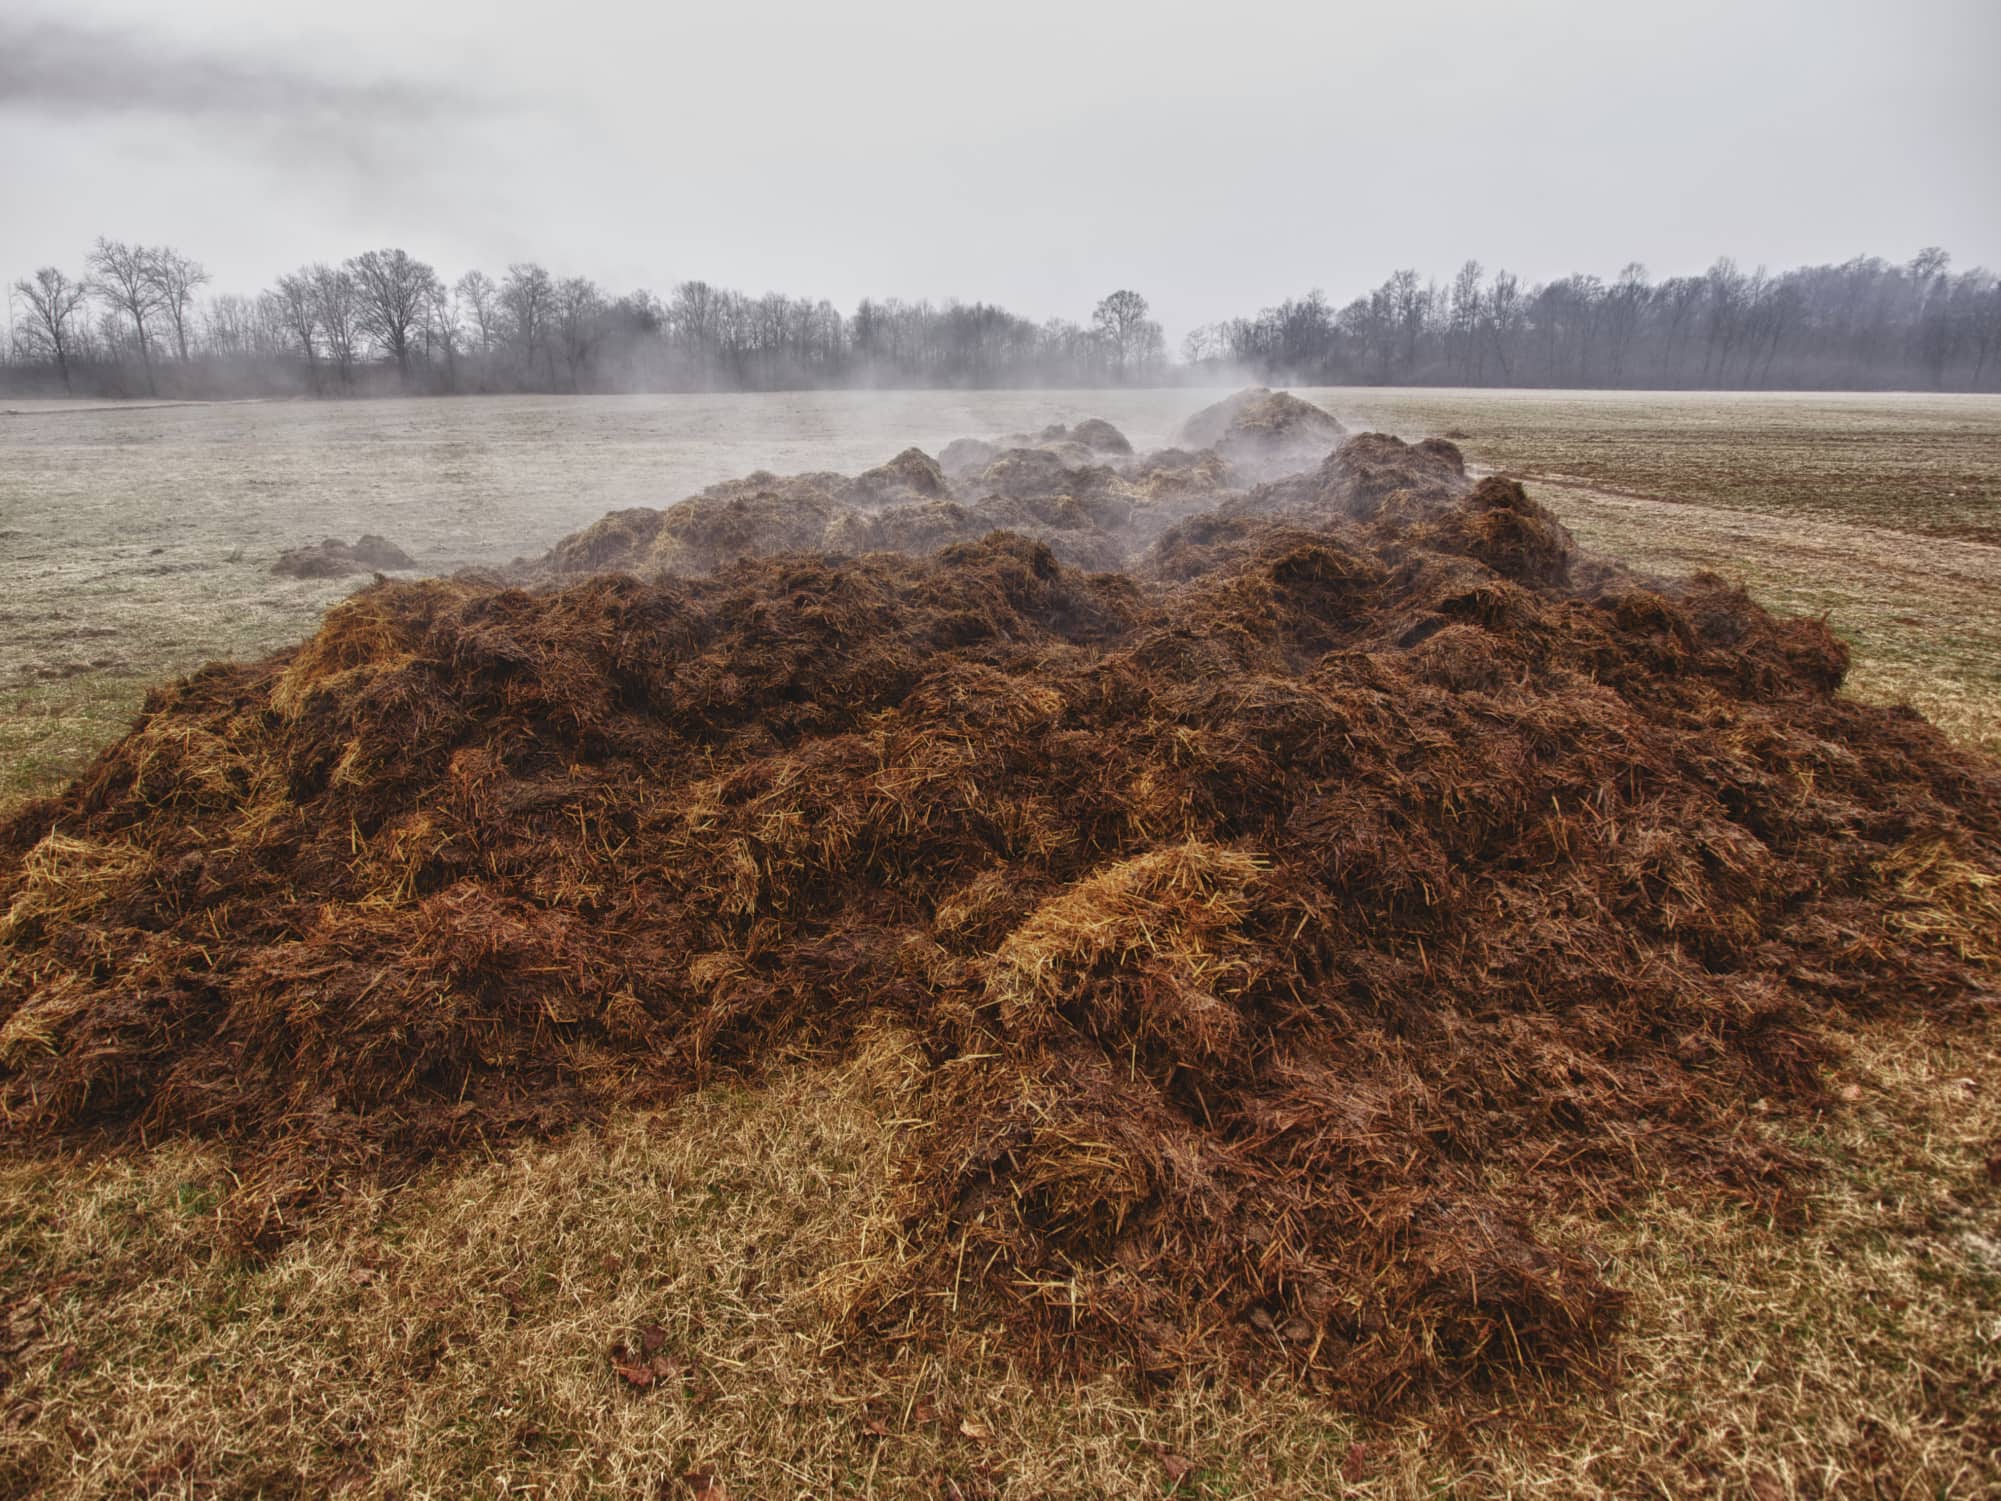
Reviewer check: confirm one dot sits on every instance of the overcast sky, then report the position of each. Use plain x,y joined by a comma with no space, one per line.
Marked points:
1215,157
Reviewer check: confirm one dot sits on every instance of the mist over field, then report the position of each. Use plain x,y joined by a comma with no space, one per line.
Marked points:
383,323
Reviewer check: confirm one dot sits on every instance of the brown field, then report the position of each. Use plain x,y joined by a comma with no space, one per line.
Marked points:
449,1337
1881,512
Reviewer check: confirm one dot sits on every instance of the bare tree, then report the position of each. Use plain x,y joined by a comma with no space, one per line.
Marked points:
236,328
1981,295
395,292
1929,264
442,332
174,278
1201,344
527,298
1504,316
1678,298
125,283
48,330
1627,301
337,311
295,307
1725,286
482,299
1465,318
580,309
1121,321
1409,304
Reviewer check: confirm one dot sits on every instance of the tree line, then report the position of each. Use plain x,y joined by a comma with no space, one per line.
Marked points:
138,321
1865,324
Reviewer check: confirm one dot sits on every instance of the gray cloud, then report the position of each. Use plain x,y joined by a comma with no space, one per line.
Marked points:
64,71
1217,161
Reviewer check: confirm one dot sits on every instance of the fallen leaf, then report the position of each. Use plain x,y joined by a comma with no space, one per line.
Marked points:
1355,1463
1851,1092
635,1374
651,1338
706,1485
926,1411
975,1429
1177,1467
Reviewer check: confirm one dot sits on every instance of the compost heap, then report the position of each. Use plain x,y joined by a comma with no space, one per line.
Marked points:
1291,921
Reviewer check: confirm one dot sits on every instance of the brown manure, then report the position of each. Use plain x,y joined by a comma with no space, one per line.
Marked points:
1263,434
967,455
1363,474
911,475
334,559
1294,926
1021,473
1512,534
752,517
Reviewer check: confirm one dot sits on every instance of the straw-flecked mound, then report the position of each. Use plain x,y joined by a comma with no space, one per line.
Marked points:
1289,921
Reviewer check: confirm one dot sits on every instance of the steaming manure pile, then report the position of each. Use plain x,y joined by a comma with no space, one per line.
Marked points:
1290,920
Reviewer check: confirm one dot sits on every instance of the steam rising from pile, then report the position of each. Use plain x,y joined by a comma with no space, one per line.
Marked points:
1288,918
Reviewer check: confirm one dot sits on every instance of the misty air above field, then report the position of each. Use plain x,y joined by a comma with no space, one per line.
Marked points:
1036,162
141,321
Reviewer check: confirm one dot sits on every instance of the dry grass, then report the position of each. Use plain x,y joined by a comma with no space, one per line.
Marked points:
455,1338
1922,617
1882,512
1907,462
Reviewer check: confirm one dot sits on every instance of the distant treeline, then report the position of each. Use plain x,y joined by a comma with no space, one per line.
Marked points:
138,321
1862,325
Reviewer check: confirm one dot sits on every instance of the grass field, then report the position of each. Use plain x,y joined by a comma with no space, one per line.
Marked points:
1881,512
450,1337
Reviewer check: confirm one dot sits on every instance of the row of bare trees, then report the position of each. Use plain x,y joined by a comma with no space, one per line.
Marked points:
149,290
136,323
1861,325
385,322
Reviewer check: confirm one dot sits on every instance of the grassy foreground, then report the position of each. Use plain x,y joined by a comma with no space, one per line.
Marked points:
454,1337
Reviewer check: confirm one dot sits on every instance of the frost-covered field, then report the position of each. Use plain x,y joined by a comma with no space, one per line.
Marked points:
136,541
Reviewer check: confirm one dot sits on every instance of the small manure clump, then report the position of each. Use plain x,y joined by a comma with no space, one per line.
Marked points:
1298,914
1262,434
334,559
